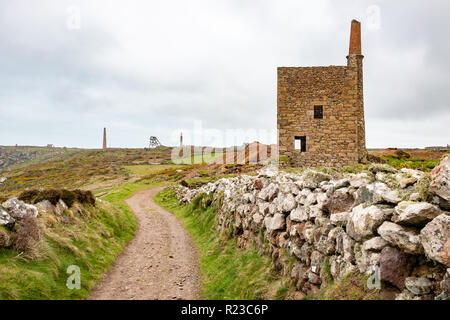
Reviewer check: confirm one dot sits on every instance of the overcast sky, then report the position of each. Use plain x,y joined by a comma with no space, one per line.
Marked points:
143,68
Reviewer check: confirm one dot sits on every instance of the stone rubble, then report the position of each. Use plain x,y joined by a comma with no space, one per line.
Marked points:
334,226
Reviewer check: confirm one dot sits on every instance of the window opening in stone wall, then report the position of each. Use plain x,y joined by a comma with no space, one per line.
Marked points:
318,112
300,144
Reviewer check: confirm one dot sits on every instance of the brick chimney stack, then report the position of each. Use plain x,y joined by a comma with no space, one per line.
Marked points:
355,38
104,139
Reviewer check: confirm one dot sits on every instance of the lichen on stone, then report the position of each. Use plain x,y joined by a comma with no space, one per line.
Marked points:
423,187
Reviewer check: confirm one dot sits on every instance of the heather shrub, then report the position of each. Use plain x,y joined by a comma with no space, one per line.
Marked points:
25,237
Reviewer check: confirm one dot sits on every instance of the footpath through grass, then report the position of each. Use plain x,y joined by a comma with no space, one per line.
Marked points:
228,272
91,240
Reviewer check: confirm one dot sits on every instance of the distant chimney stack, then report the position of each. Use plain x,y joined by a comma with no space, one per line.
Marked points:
104,139
181,140
355,38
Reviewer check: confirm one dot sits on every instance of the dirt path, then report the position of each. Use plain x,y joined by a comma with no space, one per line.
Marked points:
160,263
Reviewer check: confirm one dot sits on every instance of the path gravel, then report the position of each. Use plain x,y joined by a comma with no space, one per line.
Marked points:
160,263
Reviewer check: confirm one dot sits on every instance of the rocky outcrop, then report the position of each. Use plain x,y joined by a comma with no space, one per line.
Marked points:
18,209
336,225
9,157
5,219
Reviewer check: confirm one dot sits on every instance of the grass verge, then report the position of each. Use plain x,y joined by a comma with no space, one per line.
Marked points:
228,272
351,287
91,240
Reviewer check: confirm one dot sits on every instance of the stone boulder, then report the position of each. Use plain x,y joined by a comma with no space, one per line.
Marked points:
288,203
406,182
312,179
395,266
5,219
406,239
364,221
45,207
315,211
435,238
340,219
360,179
377,193
303,195
269,193
18,209
415,213
248,198
440,181
269,171
342,183
417,174
277,222
289,187
60,207
300,214
339,201
375,244
259,184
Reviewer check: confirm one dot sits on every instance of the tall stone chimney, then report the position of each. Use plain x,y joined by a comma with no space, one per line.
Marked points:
355,57
355,62
181,140
104,139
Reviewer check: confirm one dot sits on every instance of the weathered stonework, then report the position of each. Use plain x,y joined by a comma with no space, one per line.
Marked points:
317,228
339,137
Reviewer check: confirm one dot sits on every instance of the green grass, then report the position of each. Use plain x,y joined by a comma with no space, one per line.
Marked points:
143,170
92,242
351,287
199,159
418,164
228,272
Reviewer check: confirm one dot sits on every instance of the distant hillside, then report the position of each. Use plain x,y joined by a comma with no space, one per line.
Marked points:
21,156
75,168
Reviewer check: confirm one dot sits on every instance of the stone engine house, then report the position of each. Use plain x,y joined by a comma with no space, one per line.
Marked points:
320,111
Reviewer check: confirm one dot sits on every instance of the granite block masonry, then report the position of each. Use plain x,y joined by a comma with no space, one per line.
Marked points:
320,111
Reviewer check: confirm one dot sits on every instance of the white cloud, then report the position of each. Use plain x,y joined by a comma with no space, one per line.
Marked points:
154,67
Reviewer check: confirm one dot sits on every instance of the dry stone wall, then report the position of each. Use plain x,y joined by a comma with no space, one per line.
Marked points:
391,225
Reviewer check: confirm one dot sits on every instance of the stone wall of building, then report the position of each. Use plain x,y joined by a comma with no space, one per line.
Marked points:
392,226
339,137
